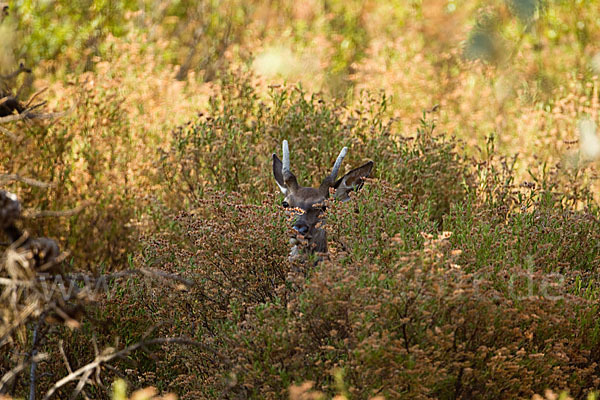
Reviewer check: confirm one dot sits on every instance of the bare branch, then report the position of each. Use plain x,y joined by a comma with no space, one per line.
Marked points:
19,71
8,133
19,319
36,94
66,361
10,375
15,282
84,372
96,354
33,107
32,214
64,356
12,118
82,381
31,115
28,181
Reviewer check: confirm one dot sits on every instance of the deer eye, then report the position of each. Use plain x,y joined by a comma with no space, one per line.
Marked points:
285,204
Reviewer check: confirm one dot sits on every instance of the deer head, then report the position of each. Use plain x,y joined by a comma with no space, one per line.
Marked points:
308,203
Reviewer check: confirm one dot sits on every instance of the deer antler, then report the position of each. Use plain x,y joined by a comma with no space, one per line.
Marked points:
285,168
338,163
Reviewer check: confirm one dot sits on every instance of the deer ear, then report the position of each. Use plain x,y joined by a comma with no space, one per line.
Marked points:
278,174
353,180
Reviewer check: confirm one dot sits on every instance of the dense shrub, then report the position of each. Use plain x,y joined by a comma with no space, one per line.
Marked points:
235,252
230,145
429,323
499,307
83,158
503,307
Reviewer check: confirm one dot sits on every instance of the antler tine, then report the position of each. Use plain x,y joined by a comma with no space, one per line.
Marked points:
285,168
338,163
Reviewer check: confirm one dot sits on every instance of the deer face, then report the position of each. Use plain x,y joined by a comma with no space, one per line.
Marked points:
307,203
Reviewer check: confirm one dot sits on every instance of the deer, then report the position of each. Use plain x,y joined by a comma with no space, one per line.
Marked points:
308,203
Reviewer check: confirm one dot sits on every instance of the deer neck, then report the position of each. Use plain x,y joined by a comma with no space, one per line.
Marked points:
317,244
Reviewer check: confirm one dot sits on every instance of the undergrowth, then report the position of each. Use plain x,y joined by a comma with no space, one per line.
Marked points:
446,278
465,267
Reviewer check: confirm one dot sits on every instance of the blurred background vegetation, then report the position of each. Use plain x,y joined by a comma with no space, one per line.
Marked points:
469,109
509,67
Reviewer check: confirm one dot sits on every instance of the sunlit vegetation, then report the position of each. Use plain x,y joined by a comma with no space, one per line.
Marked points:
138,135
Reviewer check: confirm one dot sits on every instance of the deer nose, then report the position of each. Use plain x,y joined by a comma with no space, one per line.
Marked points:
301,228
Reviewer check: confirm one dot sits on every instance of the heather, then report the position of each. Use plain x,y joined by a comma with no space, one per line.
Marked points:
138,137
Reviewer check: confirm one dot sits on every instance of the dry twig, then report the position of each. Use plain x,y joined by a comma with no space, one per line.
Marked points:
36,94
16,73
83,373
29,181
31,116
32,214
